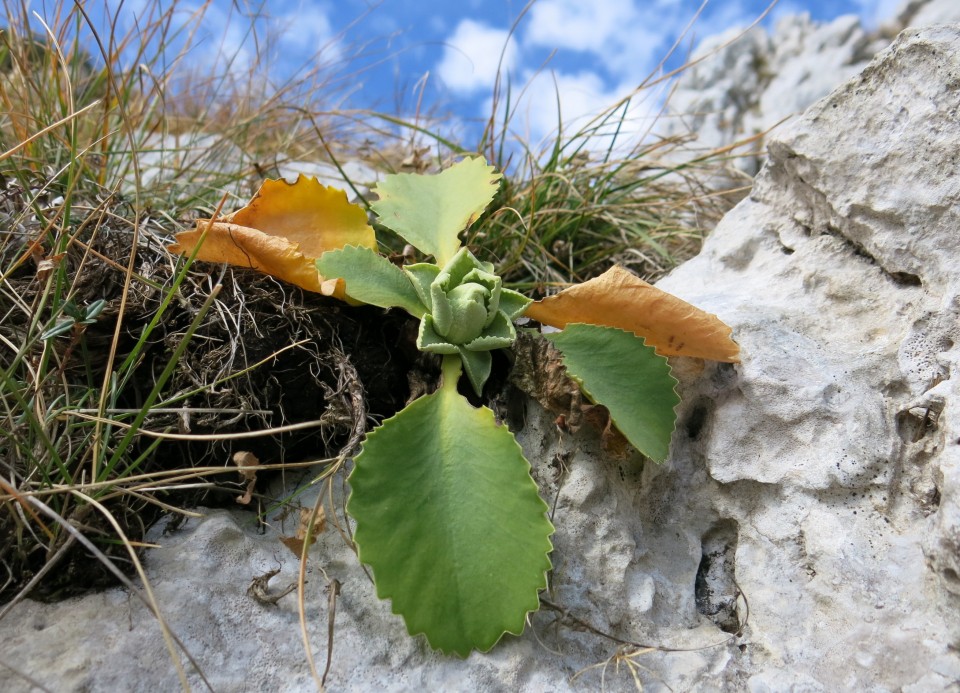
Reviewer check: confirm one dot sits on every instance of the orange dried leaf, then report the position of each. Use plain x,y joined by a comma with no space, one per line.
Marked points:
296,542
312,215
283,231
246,247
247,464
619,299
49,264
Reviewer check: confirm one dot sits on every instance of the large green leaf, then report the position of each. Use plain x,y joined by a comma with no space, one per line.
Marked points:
449,519
371,278
430,211
616,369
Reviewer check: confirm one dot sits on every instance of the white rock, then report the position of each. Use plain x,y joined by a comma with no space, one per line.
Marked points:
744,89
918,13
163,157
355,172
837,440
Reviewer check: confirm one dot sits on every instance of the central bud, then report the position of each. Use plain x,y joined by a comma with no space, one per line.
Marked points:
468,311
468,303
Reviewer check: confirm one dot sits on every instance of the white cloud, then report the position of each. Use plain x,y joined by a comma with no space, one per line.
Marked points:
222,41
308,30
574,101
625,35
562,100
578,25
723,17
473,55
231,45
786,8
228,40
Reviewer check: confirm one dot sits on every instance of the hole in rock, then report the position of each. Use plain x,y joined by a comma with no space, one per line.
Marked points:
906,279
715,588
916,422
935,498
696,421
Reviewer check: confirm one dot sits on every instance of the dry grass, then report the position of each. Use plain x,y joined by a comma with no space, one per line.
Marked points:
109,347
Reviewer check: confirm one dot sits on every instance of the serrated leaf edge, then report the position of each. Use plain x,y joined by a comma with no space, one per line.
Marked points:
590,396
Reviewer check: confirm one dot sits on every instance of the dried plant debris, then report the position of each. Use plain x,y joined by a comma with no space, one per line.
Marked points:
539,373
265,355
296,542
247,464
259,588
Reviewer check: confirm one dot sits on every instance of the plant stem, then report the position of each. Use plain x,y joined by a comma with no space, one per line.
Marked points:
450,368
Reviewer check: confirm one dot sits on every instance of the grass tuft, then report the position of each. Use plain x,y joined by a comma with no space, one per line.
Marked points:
110,349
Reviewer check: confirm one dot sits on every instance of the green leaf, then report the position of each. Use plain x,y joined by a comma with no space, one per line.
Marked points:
618,370
61,328
422,275
478,365
430,211
513,303
450,520
499,335
429,340
371,278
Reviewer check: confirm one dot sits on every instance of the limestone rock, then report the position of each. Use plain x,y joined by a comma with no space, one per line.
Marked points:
918,13
743,87
357,173
164,156
739,90
837,443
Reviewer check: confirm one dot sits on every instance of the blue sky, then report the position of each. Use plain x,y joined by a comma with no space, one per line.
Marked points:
444,56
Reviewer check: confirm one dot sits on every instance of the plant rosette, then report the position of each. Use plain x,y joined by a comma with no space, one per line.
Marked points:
447,513
468,312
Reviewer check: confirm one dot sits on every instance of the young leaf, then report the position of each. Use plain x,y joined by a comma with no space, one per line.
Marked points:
616,369
282,231
619,299
422,275
513,304
430,211
61,328
478,365
449,519
371,278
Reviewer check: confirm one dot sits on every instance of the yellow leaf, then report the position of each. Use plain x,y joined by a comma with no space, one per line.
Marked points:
246,247
282,232
619,299
312,215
